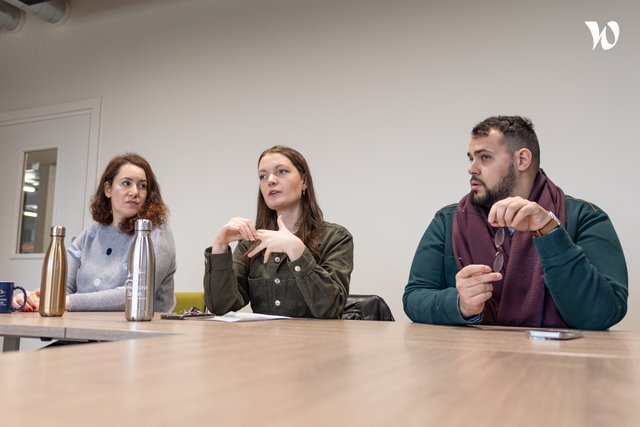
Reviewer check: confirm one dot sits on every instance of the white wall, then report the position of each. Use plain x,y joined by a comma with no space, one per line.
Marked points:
379,95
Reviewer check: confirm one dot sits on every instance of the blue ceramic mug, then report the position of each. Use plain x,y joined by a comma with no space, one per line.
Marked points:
6,297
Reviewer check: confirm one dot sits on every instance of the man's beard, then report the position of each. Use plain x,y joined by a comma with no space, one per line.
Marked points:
501,190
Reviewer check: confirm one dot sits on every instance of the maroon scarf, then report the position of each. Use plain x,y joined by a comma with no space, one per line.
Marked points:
520,298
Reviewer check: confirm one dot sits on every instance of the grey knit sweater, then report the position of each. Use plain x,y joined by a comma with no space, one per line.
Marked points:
97,269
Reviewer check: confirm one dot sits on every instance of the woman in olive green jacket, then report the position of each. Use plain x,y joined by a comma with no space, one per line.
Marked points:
290,261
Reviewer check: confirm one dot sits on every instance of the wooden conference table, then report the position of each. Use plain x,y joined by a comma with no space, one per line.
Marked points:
307,372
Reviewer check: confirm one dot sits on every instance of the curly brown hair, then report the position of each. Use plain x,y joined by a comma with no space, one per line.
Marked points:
154,207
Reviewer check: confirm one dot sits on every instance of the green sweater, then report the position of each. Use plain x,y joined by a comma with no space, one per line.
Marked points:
584,270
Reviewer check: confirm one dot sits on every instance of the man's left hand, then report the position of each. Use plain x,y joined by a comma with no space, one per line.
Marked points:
519,214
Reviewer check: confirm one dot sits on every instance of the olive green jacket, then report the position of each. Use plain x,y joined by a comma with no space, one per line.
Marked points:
301,288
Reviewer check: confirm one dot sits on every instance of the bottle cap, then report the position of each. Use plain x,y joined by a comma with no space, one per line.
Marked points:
57,230
143,225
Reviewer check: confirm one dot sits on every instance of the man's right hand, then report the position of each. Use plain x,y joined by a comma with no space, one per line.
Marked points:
474,285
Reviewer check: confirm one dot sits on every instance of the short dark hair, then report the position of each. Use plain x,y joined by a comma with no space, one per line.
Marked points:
154,207
518,133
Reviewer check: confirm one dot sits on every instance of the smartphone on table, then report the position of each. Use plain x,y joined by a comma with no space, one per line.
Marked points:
553,335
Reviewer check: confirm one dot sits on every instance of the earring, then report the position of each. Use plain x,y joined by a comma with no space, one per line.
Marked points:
304,192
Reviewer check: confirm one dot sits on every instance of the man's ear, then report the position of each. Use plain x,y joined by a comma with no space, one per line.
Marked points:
523,159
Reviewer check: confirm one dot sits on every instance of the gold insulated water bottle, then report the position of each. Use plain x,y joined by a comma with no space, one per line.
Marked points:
53,287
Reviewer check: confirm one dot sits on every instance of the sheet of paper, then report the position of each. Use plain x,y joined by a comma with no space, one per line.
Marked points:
242,316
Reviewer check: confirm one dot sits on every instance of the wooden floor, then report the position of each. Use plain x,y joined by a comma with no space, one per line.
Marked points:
315,373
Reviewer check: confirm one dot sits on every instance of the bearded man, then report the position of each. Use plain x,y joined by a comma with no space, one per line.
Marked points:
517,251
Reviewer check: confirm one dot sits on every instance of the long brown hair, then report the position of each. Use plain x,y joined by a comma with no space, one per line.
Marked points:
311,218
154,207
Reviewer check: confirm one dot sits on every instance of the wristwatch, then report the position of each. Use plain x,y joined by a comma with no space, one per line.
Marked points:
553,223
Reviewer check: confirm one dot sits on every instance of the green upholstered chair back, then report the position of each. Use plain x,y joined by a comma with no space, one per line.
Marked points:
187,300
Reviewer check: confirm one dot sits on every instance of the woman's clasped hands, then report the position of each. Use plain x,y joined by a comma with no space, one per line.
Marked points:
271,241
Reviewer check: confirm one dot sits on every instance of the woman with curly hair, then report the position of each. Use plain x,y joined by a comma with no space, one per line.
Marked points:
97,258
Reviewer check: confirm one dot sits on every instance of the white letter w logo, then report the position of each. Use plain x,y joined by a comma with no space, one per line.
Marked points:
602,36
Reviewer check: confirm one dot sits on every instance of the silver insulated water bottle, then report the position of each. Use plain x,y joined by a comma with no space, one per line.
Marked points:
141,272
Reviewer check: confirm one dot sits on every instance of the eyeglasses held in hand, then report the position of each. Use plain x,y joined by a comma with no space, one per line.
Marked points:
498,240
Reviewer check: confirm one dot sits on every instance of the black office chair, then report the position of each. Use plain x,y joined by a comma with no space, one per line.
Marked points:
367,307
